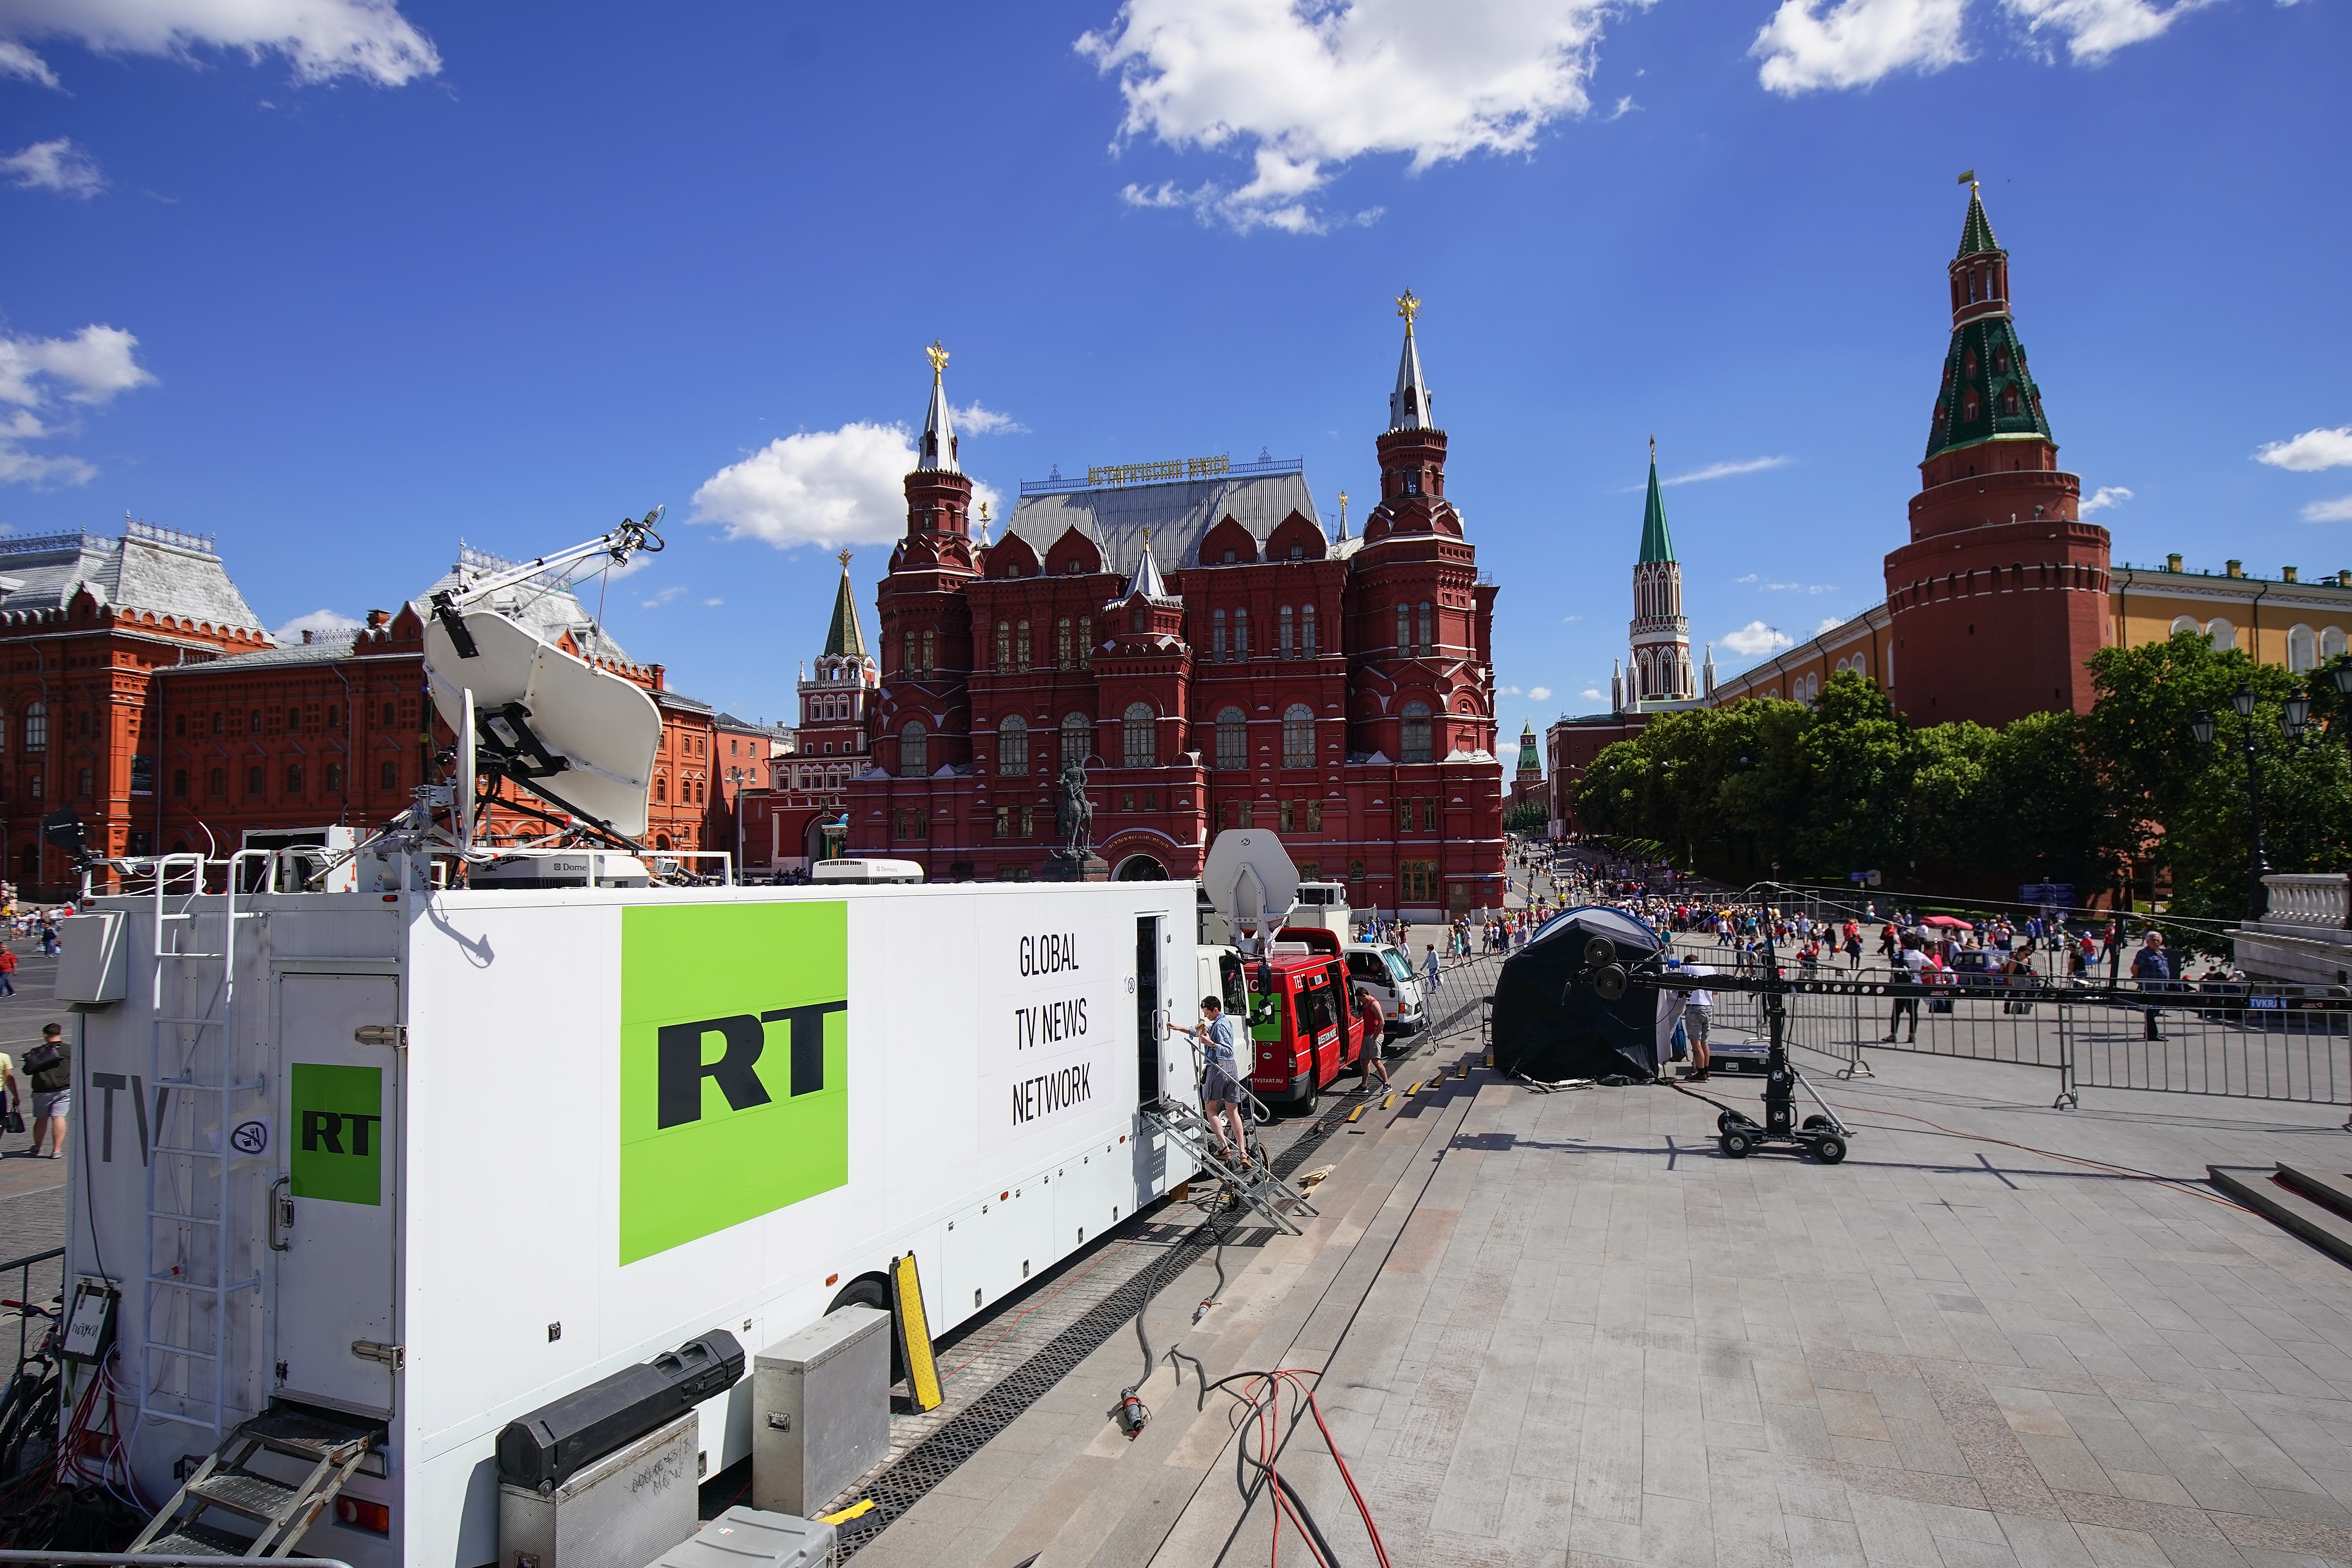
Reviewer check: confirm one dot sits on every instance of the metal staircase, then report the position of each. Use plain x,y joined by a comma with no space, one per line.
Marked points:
1249,1179
277,1511
193,1274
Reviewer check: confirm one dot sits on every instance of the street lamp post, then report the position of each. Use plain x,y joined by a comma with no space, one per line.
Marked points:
2293,718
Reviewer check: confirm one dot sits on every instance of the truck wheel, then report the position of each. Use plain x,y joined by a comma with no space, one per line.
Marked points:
1306,1103
873,1290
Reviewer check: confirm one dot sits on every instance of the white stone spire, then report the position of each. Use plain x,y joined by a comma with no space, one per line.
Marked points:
1147,580
1409,403
937,446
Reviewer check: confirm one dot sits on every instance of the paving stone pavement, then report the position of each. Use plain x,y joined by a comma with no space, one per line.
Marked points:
1564,1329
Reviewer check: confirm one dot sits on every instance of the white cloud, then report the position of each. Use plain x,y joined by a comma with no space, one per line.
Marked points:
2093,29
713,604
323,39
18,60
1749,578
1854,42
1538,693
1829,623
1593,693
316,621
1506,692
94,364
1302,89
972,419
663,597
90,368
1726,470
2106,496
2311,451
820,486
57,165
2337,511
1566,620
1794,587
1756,638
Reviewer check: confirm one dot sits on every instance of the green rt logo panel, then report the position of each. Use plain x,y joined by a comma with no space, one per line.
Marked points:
338,1151
734,1065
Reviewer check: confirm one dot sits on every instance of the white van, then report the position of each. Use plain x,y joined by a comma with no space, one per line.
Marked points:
1386,974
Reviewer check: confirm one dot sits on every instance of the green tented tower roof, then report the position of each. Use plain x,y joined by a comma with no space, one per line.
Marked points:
1657,545
1976,233
844,636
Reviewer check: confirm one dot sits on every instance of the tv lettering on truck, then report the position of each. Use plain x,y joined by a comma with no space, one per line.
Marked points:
1052,1054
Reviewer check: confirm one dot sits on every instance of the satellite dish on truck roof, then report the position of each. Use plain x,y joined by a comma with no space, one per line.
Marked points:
582,738
1250,879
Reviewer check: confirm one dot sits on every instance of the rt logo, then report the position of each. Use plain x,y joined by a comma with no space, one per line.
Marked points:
679,1068
327,1131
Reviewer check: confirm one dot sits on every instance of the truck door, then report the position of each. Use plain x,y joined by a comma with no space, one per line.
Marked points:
335,1332
1150,1022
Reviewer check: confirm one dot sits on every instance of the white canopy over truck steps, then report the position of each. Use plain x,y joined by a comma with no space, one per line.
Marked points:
277,1511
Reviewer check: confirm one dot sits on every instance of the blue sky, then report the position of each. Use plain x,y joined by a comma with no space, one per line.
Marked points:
340,282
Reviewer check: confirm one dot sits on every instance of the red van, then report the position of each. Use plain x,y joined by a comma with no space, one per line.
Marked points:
1303,1032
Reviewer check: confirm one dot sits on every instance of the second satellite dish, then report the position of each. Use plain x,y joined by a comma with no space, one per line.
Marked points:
581,737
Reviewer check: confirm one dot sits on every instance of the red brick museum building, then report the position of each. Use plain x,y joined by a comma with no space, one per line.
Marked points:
1196,637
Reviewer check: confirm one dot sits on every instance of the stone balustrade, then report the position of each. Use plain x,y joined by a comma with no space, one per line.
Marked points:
2315,900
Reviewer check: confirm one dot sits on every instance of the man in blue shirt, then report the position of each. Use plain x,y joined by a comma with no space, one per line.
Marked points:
2152,967
1221,1090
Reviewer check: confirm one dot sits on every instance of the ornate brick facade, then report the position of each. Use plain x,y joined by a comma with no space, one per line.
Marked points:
1213,657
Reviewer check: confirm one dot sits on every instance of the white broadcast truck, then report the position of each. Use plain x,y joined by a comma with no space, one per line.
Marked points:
421,1158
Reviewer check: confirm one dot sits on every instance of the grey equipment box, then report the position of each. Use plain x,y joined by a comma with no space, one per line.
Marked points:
747,1538
820,1410
621,1511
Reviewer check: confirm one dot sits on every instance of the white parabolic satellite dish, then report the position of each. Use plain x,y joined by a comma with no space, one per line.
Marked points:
1249,878
604,728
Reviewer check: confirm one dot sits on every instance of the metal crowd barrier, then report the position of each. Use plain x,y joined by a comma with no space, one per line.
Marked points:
2240,1040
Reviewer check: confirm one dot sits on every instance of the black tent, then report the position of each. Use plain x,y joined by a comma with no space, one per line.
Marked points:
1551,1024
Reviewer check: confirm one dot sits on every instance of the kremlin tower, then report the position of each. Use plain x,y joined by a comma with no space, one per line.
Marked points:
2002,594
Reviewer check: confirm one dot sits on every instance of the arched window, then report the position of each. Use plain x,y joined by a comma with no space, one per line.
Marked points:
2302,649
2009,399
179,784
2331,642
912,751
1139,742
1283,633
1003,646
1416,731
1306,627
1299,736
1241,634
929,651
2186,623
1020,645
294,779
1086,642
907,664
36,727
2221,635
1140,619
1233,737
661,791
1969,405
388,720
1012,745
1078,738
387,777
1062,658
293,720
334,778
1217,636
1427,641
1404,630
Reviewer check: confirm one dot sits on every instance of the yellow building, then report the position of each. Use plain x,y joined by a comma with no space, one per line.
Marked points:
2278,620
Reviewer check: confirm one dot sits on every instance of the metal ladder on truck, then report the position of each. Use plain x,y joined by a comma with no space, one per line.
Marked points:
1250,1179
279,1511
193,1153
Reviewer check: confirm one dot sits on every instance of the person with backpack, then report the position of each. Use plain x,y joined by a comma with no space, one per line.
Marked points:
48,1068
